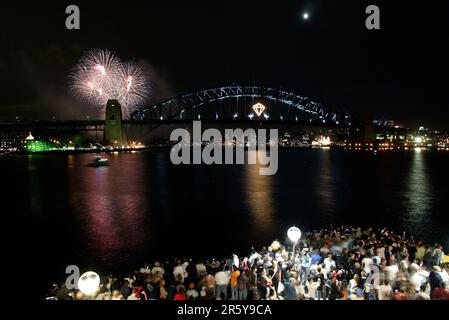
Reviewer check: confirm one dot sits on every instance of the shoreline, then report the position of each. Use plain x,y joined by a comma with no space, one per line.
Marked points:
168,146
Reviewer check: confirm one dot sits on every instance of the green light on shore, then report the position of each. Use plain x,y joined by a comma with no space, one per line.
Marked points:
37,146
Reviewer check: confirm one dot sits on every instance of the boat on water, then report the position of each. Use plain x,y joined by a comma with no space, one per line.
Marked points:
99,162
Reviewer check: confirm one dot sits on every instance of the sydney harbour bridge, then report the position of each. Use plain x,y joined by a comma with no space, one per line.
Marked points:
232,105
209,105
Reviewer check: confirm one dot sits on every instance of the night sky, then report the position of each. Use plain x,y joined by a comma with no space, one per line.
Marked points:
400,72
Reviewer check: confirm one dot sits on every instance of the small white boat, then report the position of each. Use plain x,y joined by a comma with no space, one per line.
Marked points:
99,162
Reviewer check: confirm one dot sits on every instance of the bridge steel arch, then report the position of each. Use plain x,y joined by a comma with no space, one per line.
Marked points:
175,107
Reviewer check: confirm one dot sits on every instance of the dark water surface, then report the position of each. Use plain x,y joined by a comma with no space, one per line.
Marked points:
142,207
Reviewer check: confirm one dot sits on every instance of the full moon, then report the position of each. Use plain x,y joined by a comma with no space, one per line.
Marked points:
305,16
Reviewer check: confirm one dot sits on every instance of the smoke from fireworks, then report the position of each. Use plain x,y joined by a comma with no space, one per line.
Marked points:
100,75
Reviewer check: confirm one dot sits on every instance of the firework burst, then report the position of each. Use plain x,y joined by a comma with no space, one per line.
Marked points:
100,75
134,88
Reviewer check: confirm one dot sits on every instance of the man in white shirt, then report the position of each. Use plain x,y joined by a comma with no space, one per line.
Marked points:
367,262
178,271
391,272
329,263
222,281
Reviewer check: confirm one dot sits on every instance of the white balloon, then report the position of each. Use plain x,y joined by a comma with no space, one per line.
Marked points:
294,234
89,282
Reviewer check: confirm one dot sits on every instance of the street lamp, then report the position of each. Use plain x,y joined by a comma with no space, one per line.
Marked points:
294,234
89,282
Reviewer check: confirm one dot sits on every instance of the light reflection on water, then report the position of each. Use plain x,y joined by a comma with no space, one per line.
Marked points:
109,203
259,192
418,195
327,185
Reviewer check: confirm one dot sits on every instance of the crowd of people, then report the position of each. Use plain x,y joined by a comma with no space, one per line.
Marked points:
330,264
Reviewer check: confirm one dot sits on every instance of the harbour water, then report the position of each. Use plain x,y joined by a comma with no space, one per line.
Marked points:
141,207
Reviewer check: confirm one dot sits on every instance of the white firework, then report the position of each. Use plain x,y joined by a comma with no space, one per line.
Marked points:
100,76
134,86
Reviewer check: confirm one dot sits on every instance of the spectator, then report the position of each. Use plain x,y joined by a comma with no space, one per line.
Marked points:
235,274
243,286
222,282
180,295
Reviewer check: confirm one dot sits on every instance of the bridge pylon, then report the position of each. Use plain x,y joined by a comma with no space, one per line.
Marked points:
113,129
